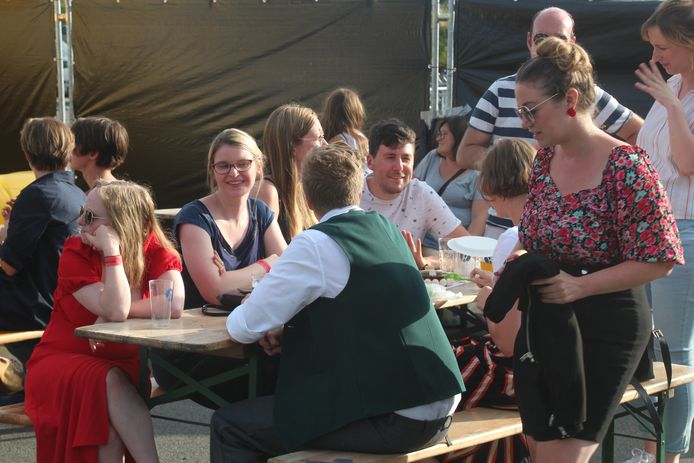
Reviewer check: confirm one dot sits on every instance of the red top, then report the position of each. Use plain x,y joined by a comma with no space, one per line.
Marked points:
66,382
626,217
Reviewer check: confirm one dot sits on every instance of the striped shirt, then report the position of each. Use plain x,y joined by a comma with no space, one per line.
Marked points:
495,112
654,138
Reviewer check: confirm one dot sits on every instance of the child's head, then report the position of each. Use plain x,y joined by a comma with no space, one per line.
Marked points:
506,169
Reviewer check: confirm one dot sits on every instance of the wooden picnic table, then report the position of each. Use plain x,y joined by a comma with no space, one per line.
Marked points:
167,213
193,332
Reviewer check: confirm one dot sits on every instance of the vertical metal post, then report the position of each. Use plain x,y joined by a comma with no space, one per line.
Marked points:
62,22
58,18
450,55
434,87
70,89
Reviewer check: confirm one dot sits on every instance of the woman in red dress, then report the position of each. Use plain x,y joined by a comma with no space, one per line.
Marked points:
81,395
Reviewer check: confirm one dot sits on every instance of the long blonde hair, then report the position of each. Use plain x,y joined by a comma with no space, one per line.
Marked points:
284,129
131,210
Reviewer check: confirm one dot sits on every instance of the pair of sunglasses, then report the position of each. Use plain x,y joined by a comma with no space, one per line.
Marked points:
89,216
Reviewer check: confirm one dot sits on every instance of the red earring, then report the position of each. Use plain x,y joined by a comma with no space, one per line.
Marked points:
571,112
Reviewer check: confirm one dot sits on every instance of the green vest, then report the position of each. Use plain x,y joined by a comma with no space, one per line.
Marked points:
376,348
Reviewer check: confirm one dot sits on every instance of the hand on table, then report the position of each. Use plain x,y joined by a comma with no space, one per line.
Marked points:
272,342
415,248
651,81
560,289
481,277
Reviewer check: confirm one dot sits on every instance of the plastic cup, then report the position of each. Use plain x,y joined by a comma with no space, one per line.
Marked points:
160,295
448,258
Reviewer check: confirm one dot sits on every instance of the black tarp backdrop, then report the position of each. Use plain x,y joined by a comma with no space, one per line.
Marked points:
27,73
490,42
177,73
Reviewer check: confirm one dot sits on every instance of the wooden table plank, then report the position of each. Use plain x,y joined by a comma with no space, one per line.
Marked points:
468,428
9,337
167,213
193,332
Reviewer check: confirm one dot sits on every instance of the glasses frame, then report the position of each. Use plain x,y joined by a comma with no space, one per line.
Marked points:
318,139
89,215
525,113
230,165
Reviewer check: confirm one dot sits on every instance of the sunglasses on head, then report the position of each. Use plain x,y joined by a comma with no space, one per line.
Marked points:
89,216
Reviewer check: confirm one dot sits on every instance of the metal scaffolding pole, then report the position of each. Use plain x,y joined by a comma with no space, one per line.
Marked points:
62,21
441,83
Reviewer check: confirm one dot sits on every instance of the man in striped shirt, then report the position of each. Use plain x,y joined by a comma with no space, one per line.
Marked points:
495,117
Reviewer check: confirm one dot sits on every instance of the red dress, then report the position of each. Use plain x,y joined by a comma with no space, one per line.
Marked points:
66,382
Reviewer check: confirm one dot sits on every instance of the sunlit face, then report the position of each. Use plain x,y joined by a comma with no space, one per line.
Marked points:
225,168
553,23
392,170
674,58
93,212
313,139
544,122
445,141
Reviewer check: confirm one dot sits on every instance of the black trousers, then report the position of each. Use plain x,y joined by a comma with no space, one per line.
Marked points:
242,433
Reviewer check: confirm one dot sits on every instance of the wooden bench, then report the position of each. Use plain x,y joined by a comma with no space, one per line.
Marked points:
478,426
10,337
14,413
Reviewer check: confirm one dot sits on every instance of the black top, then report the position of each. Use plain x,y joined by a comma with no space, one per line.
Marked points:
44,215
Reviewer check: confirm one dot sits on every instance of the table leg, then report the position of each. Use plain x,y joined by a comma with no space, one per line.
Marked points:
660,437
203,386
144,373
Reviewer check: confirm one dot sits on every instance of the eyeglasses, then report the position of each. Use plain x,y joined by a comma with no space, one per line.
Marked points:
320,139
442,134
540,36
241,165
89,216
529,114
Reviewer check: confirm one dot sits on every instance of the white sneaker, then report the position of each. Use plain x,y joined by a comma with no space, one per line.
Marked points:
640,456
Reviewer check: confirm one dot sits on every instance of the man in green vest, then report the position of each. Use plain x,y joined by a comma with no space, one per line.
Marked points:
365,363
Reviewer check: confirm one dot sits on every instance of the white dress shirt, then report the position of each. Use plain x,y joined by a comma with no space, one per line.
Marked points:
312,266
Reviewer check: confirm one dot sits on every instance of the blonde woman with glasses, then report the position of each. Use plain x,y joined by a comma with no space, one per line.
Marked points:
225,238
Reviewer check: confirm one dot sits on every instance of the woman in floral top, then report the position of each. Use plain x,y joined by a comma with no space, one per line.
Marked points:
597,208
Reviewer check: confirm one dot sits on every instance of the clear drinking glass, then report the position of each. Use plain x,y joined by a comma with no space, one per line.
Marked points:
160,296
448,258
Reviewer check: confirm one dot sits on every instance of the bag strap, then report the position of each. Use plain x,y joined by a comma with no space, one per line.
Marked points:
445,185
648,403
665,352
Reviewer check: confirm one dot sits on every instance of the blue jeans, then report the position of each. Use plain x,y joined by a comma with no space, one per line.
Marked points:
673,313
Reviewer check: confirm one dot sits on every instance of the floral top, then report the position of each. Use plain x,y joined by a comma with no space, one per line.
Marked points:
626,217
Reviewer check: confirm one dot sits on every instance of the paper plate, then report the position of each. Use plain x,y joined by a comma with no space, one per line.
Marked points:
475,246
